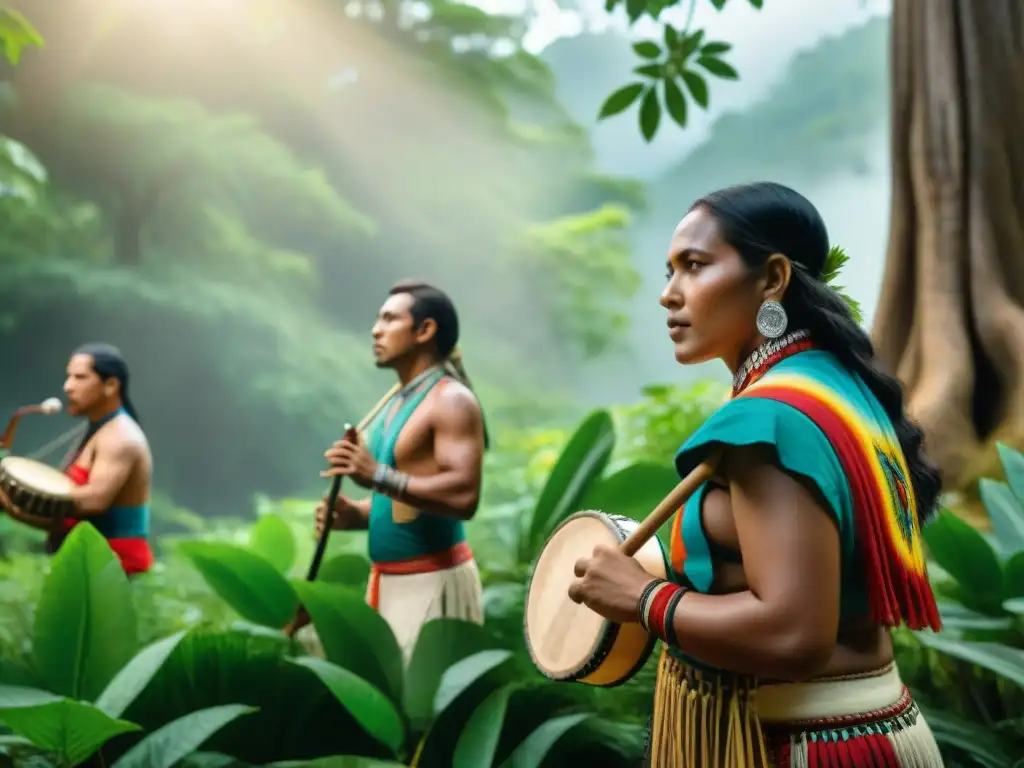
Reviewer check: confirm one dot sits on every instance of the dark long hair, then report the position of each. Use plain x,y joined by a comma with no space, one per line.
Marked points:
764,218
431,303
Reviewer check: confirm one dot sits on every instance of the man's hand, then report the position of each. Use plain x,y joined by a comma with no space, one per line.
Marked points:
347,515
350,459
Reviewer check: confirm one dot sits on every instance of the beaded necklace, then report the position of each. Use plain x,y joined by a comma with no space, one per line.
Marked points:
767,355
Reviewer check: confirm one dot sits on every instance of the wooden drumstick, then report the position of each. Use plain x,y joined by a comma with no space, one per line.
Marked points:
676,498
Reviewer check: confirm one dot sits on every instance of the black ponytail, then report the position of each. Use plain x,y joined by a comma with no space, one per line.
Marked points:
811,304
765,218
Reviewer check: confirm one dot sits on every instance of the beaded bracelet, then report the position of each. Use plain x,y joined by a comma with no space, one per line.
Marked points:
389,481
657,609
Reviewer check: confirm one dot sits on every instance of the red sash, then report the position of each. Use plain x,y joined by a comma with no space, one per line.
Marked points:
135,554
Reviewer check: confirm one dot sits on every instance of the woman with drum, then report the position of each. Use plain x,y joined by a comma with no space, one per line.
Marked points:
789,566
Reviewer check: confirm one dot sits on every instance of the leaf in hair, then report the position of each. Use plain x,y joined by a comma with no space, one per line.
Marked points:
834,263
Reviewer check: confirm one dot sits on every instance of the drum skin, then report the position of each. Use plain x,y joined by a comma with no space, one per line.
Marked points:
37,489
568,642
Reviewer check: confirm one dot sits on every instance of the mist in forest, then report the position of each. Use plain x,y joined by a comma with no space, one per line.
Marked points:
246,319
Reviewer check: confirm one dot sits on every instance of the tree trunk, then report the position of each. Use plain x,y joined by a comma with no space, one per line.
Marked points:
950,320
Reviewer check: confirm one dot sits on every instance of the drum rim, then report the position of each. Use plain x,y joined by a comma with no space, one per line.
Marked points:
610,630
17,484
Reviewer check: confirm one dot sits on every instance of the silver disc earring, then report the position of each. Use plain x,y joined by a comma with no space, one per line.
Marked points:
771,319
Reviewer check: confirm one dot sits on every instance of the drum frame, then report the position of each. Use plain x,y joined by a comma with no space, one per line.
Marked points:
28,500
631,640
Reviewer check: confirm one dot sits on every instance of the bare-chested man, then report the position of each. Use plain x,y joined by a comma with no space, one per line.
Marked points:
423,460
111,467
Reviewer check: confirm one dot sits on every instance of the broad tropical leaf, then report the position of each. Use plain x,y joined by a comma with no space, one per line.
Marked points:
1013,576
1013,468
579,465
953,731
478,742
964,554
166,746
354,636
534,748
295,715
1006,513
345,569
634,491
132,678
370,708
272,539
338,761
1002,660
72,729
462,674
442,643
85,628
245,581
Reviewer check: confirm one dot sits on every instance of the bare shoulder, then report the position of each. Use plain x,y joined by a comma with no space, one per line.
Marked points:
125,440
456,404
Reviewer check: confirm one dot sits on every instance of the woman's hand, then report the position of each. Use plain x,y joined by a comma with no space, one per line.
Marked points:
610,584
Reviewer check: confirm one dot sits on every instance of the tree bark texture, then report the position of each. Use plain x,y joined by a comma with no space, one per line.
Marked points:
950,320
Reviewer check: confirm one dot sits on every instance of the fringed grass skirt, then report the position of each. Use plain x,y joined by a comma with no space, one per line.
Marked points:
702,720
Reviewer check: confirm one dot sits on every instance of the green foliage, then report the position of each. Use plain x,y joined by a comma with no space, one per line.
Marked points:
811,107
163,704
972,673
16,34
583,261
188,680
834,263
680,65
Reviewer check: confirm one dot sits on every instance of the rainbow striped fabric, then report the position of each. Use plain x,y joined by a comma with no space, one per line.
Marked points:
886,525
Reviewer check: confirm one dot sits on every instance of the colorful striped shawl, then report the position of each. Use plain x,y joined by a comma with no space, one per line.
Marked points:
884,506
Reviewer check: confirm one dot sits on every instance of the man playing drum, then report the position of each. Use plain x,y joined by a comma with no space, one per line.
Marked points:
112,466
423,461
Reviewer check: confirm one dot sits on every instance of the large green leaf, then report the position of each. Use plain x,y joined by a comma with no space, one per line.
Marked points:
1013,576
442,643
530,753
478,742
1013,467
462,674
1006,513
580,464
132,678
345,569
72,729
354,636
272,539
338,761
964,554
370,708
959,617
1015,606
245,581
166,746
85,628
953,731
999,659
634,491
297,716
